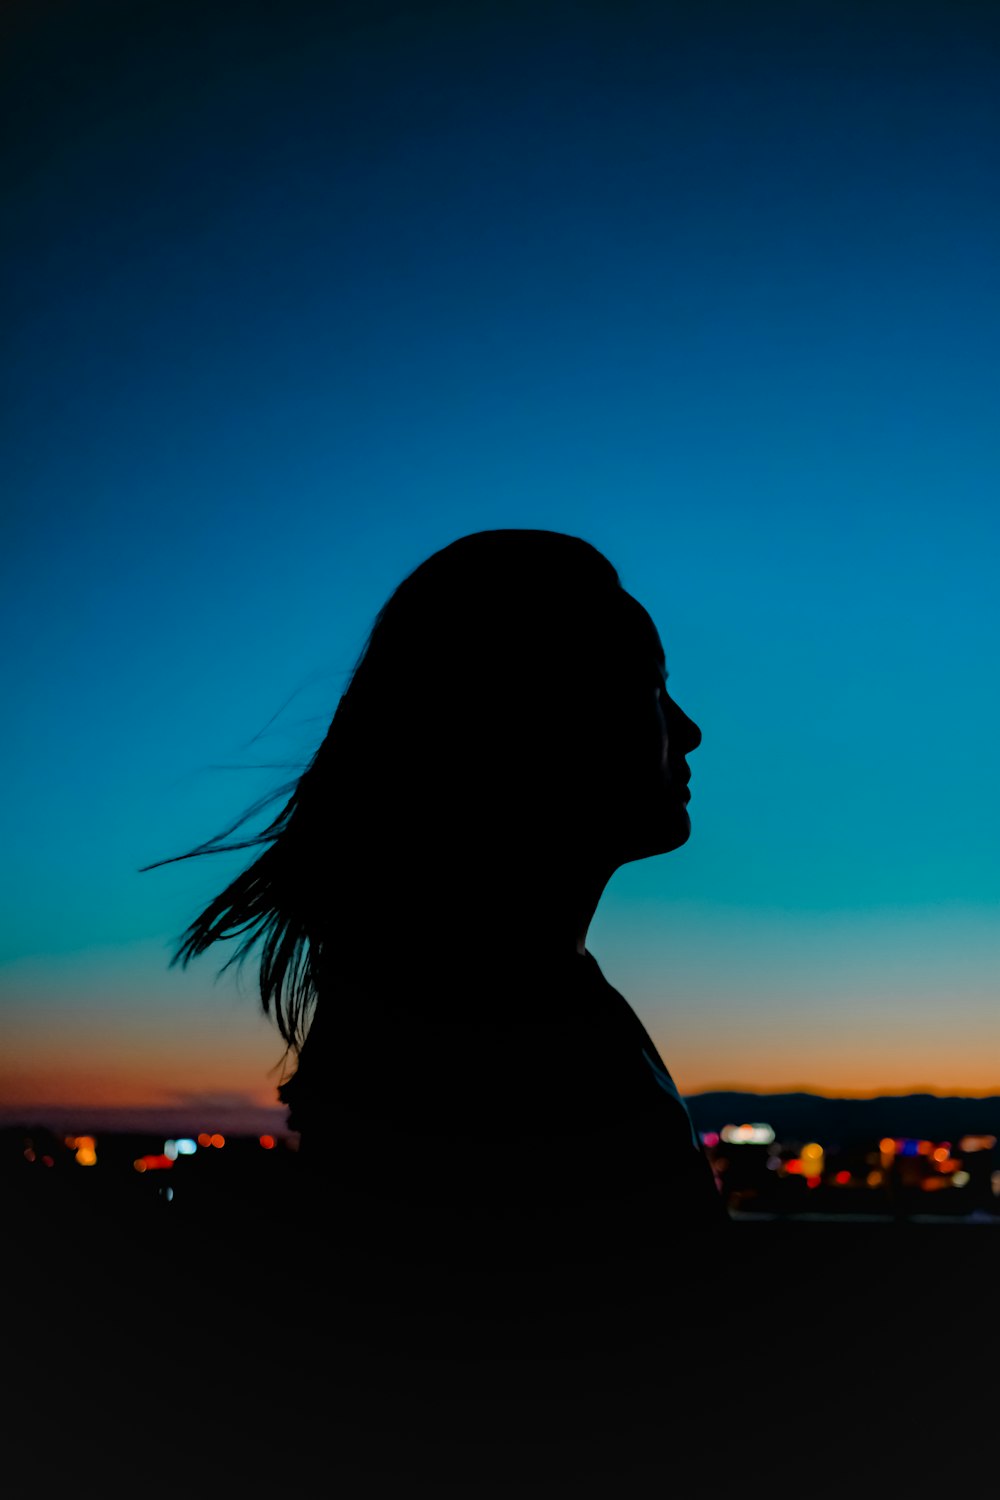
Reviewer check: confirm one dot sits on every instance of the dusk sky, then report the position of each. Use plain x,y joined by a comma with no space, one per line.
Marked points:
297,294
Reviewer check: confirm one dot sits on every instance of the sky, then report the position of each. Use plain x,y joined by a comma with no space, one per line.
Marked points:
298,294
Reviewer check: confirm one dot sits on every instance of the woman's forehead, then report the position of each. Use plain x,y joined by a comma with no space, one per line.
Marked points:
647,633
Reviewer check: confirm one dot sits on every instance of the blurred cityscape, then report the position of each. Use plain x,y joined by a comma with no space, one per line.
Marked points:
762,1171
166,1307
895,1177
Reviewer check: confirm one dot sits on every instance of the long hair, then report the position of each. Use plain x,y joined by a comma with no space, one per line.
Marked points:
451,735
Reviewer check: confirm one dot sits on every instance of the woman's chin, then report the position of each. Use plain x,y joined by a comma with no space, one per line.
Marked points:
669,833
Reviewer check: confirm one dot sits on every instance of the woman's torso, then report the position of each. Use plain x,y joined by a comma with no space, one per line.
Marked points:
504,1106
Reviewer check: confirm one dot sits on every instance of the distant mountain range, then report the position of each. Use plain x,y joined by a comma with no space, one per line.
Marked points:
802,1117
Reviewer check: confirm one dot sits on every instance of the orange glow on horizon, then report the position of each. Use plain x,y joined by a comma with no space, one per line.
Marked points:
79,1065
69,1048
870,1057
135,1067
103,1089
57,1090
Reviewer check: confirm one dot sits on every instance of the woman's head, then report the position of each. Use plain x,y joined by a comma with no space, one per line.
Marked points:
510,684
507,722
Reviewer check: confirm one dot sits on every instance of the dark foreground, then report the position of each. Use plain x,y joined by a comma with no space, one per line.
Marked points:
222,1353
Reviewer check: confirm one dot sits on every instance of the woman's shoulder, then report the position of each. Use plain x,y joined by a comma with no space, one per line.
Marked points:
553,1035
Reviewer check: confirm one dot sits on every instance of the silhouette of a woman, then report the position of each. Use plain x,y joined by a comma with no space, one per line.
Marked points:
467,1083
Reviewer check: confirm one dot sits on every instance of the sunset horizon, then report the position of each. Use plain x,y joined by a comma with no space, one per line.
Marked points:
250,1116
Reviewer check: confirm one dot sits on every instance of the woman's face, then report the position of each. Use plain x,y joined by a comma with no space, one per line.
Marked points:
650,801
678,735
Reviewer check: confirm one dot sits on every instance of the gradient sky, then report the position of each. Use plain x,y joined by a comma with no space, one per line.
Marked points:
297,294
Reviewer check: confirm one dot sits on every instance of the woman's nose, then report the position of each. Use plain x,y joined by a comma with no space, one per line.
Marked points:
687,730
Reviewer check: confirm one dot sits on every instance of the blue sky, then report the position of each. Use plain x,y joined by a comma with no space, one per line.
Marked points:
296,298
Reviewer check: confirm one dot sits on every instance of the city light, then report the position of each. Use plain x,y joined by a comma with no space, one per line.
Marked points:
977,1143
183,1147
747,1135
812,1163
84,1147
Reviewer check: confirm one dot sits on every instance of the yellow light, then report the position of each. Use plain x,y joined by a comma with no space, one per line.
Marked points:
941,1154
874,1179
887,1145
812,1163
86,1155
960,1179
